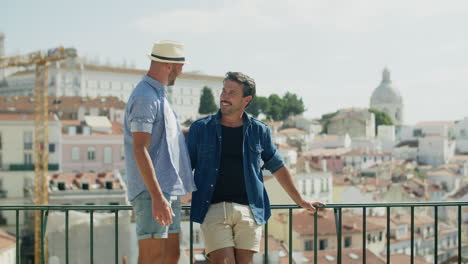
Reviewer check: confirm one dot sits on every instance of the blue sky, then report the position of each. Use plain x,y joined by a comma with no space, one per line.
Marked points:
330,52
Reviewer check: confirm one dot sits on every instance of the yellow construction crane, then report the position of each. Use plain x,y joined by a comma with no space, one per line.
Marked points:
40,60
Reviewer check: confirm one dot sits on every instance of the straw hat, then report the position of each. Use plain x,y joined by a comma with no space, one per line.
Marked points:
168,51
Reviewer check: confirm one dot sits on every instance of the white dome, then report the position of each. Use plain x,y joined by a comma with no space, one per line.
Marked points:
386,93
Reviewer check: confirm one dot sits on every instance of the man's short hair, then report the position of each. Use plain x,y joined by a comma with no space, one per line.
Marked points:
247,82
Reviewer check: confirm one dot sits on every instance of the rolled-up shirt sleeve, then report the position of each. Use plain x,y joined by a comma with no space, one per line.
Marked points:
270,155
143,114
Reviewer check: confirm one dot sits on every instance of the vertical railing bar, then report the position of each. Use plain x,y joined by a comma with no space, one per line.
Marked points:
191,241
339,235
388,234
67,260
42,237
316,237
266,244
459,234
412,235
18,250
364,234
91,236
290,235
436,234
116,236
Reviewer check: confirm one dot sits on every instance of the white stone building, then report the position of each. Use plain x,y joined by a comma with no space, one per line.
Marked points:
434,128
315,185
387,98
460,131
76,77
435,150
330,141
357,123
387,137
17,160
306,124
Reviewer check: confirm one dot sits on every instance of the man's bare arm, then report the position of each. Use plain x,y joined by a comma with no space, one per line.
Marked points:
162,211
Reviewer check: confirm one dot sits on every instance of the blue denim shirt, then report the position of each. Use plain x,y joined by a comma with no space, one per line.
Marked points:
148,111
204,144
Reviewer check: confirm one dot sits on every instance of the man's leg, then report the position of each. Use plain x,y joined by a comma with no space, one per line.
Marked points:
172,249
156,242
223,256
151,250
243,256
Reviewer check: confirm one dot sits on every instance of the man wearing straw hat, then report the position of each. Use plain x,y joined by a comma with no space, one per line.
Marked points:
227,150
156,158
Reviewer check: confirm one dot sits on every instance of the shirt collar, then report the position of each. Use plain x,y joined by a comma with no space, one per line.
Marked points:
161,89
245,116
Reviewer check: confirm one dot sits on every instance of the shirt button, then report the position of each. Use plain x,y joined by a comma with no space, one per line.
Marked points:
207,201
216,169
211,185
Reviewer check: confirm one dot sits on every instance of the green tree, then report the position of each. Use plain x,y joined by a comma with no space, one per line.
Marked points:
260,105
381,118
207,102
276,108
293,105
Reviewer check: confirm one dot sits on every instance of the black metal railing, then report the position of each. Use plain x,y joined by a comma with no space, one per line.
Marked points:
337,208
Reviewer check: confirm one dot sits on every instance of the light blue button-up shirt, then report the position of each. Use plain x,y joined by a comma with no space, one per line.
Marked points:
147,110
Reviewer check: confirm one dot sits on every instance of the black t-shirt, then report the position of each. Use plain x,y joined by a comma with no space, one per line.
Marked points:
230,182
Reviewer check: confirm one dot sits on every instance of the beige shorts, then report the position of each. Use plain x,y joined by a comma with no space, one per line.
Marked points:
230,225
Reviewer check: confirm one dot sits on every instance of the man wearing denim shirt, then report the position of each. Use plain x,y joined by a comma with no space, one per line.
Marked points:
156,158
226,150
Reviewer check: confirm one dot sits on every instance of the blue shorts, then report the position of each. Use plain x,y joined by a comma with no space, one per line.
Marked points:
146,226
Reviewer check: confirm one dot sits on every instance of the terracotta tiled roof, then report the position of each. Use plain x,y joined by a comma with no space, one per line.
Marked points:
95,180
21,117
403,258
349,256
6,241
304,224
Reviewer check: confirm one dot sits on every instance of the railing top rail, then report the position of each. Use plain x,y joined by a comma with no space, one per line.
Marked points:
274,206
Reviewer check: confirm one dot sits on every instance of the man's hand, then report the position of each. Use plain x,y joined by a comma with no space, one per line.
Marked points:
310,206
162,211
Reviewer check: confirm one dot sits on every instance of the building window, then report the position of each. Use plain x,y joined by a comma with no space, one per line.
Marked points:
75,153
28,158
369,238
27,139
51,148
380,236
308,245
91,153
323,244
1,161
0,141
107,155
122,154
348,242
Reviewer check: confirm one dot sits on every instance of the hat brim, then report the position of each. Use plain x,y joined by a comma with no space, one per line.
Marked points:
166,61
